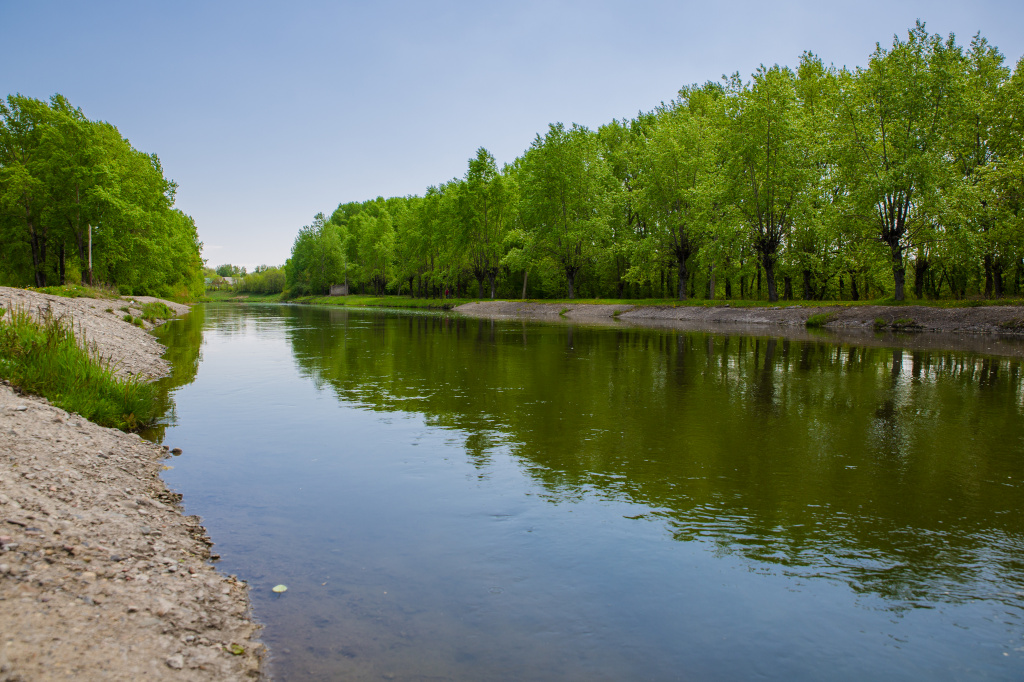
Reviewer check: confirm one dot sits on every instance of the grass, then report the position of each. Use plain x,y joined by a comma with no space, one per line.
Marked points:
898,323
151,312
820,320
78,291
44,358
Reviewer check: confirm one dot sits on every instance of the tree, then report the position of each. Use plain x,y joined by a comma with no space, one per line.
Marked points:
892,125
316,260
769,165
680,184
568,192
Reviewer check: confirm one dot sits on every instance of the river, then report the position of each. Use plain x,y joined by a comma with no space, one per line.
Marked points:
457,499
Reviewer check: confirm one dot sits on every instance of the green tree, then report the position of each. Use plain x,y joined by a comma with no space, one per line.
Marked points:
568,192
894,120
769,164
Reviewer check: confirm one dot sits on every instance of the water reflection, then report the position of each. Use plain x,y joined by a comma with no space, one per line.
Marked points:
650,461
830,461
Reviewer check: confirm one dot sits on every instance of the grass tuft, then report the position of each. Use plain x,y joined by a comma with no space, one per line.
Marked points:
157,310
820,319
44,358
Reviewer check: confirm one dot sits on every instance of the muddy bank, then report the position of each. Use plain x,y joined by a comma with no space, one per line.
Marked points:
997,330
102,577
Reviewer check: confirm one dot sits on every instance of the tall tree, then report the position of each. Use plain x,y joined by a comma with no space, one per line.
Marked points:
569,191
769,164
893,122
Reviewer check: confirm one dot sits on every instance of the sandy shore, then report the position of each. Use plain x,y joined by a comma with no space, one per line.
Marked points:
997,330
101,575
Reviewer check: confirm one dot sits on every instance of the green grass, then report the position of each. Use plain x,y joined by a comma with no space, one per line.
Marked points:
820,320
151,312
44,358
77,291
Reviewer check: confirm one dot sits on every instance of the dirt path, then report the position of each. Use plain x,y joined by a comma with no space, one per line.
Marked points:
101,575
988,329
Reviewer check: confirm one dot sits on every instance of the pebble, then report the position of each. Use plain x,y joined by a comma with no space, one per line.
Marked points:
175,662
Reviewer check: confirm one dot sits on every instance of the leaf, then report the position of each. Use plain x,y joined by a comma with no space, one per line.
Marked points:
280,588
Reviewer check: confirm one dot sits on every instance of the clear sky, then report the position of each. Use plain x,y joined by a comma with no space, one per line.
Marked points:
267,113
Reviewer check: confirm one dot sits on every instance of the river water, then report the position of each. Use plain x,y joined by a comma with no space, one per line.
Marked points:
457,499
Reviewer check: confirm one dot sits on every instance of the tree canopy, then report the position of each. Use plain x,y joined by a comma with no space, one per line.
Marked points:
69,185
842,180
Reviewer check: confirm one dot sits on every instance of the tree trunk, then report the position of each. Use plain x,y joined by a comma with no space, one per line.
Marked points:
493,277
682,280
787,288
920,269
769,276
997,278
759,281
899,271
808,293
987,260
728,289
711,283
570,276
526,275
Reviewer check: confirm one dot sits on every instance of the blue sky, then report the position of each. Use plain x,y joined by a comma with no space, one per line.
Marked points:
266,113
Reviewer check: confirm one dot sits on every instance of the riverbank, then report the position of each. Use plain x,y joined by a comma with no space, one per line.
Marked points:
996,329
101,574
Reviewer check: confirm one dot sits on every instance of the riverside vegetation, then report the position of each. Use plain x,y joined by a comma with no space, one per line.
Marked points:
70,187
44,358
818,183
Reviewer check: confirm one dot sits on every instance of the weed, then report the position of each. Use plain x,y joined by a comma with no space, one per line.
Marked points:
127,318
44,358
125,309
110,310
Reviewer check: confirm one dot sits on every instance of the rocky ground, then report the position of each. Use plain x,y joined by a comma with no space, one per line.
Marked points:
101,575
985,329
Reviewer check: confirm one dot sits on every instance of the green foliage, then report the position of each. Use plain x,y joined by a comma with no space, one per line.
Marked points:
904,177
66,182
45,359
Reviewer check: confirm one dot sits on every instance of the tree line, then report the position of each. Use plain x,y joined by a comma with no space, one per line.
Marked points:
70,186
815,183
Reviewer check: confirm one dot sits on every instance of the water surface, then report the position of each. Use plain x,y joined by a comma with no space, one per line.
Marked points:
453,499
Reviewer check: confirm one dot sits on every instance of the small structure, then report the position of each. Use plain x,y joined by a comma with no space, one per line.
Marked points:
339,290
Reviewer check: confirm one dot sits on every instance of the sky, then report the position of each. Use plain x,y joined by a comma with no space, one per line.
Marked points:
268,113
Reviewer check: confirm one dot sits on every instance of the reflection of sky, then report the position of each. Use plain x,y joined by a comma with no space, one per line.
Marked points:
503,554
266,113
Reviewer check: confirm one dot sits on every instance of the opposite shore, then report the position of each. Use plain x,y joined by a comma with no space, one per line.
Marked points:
995,329
102,576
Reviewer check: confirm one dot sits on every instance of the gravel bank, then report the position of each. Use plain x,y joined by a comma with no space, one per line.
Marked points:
996,330
101,575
